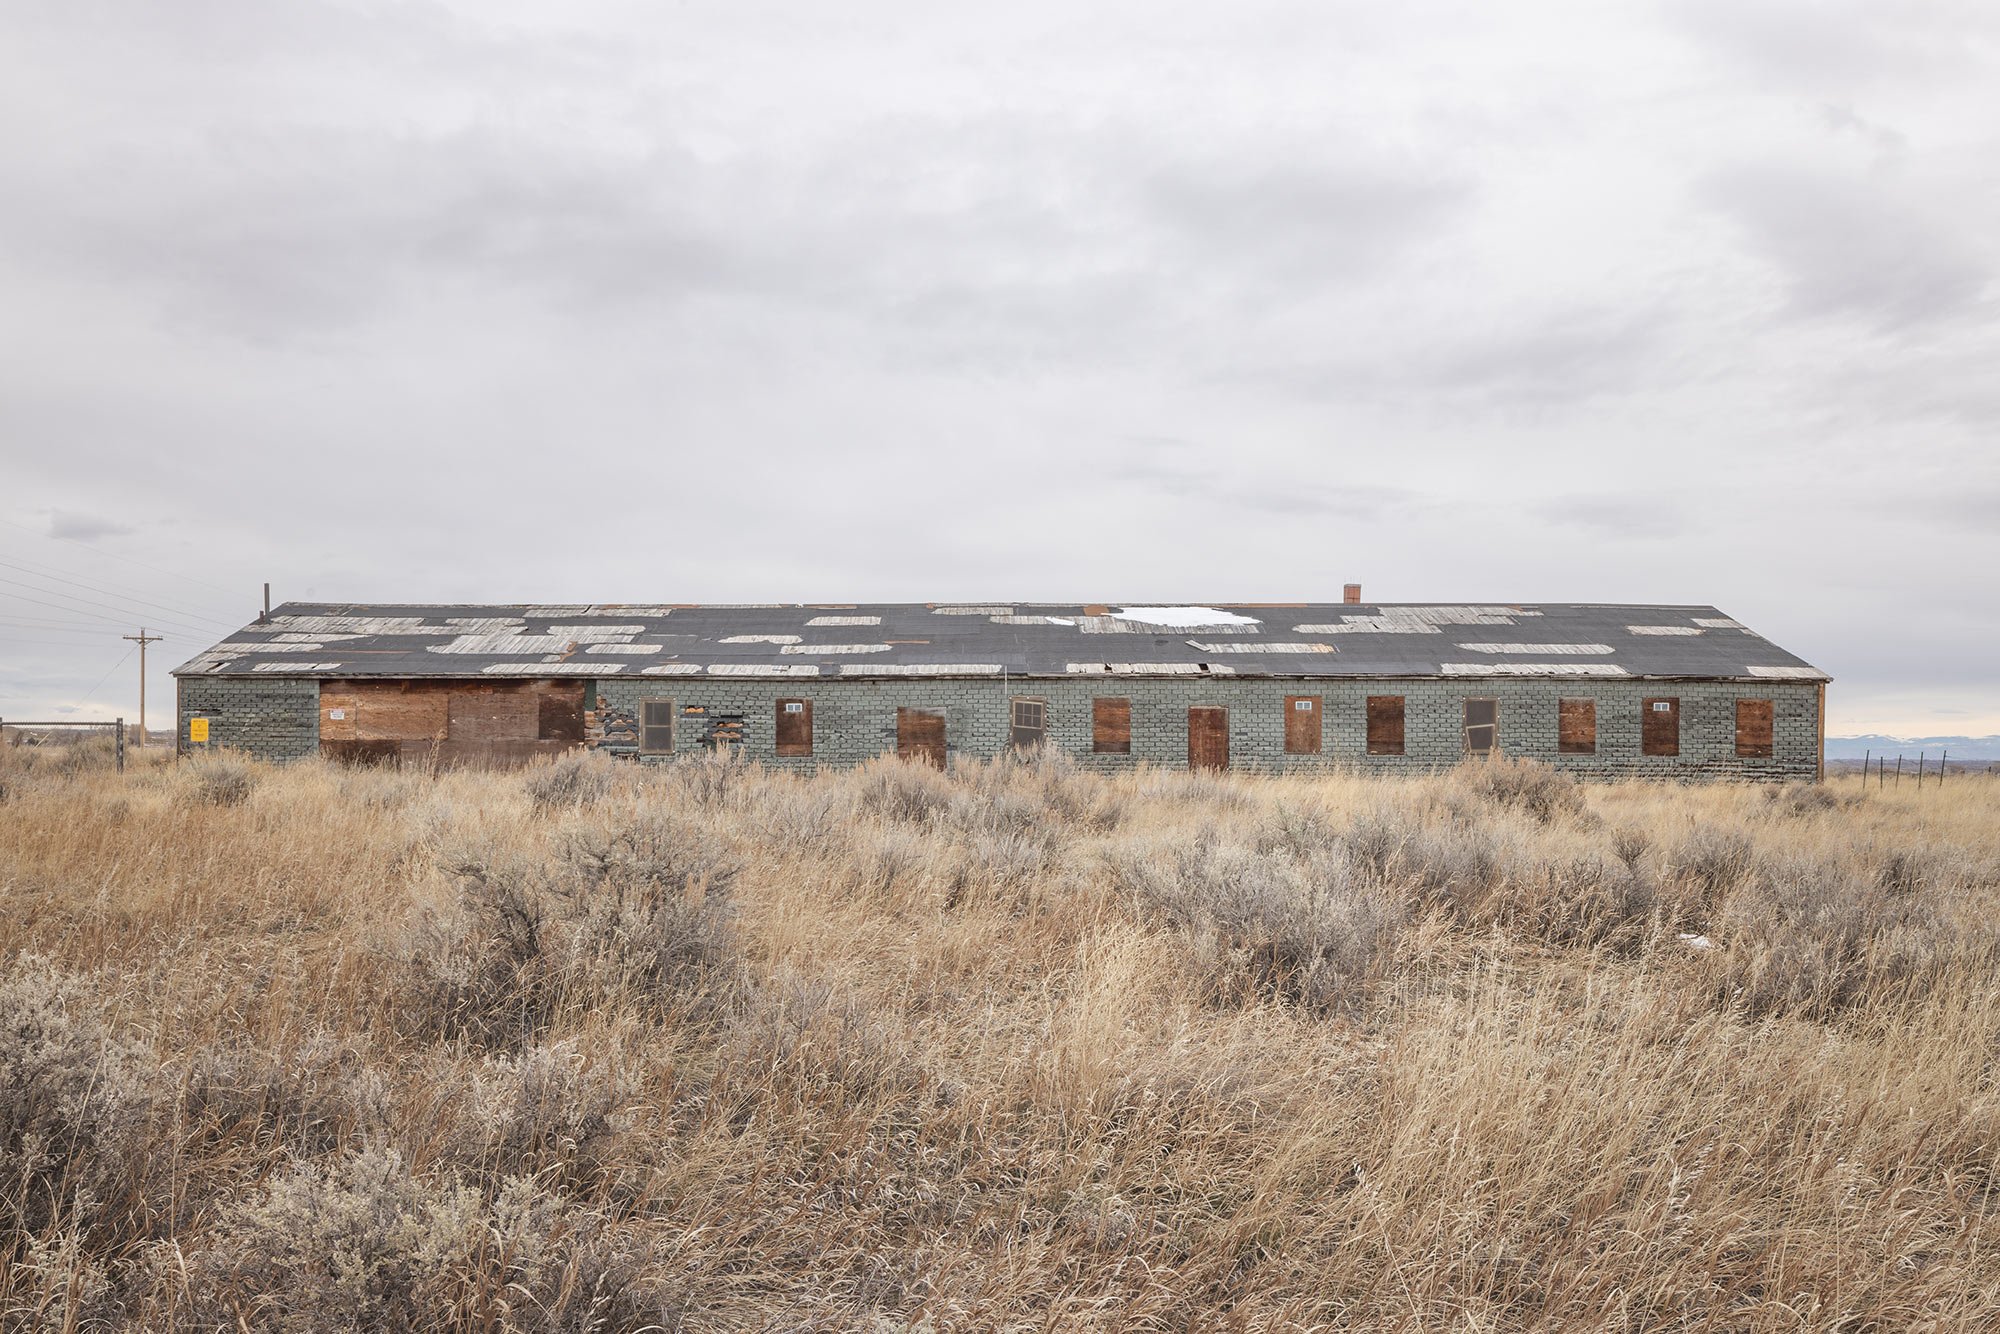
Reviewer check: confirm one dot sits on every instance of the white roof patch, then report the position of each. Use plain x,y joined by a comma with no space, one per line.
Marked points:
1533,669
1263,646
1539,650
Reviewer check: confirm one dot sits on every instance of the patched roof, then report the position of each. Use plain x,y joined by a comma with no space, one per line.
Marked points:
995,639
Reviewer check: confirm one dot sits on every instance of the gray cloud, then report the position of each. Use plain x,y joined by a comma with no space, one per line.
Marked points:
1846,246
85,527
764,302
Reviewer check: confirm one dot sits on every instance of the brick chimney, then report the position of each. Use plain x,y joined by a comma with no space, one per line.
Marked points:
1351,594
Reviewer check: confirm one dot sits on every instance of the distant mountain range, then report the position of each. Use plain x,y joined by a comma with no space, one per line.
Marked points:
1971,749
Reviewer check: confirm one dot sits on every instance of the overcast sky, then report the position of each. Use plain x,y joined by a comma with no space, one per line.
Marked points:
1586,302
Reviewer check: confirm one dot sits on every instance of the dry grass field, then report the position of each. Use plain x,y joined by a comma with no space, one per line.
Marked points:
1020,1048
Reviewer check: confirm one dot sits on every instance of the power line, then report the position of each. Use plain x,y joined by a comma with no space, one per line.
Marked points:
186,629
78,583
112,555
106,677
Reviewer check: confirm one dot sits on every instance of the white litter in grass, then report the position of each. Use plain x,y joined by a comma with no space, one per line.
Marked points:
1695,942
1183,618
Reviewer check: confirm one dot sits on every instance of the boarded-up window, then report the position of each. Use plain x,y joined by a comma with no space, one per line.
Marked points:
1385,724
1753,729
1576,726
656,726
1482,726
795,726
1208,738
1030,723
1302,727
1660,727
1111,726
920,736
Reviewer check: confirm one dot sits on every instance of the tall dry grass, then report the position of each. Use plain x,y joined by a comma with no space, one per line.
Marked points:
1017,1047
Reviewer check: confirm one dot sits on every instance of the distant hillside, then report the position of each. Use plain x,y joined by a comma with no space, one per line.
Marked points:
1967,748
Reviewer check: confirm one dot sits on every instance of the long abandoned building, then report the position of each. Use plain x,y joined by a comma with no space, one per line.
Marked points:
1603,691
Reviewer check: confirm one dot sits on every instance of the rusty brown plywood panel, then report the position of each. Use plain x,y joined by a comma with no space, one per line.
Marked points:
1660,726
920,736
1576,727
1385,724
1208,737
338,708
493,715
1753,729
1302,724
795,726
399,710
561,707
1111,726
362,753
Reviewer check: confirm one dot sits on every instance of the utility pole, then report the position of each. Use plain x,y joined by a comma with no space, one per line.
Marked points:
142,639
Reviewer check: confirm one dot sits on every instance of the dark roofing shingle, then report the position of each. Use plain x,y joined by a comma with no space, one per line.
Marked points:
992,639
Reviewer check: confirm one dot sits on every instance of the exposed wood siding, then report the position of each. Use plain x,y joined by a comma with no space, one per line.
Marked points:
1385,724
1753,729
1111,726
1302,724
482,724
1208,737
920,736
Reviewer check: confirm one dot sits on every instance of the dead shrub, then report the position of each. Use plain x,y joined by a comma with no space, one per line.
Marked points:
899,790
362,1243
569,781
1711,861
1523,785
636,913
217,781
75,1103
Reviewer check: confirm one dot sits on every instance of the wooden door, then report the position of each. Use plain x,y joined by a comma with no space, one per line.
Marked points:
1302,726
920,736
1208,737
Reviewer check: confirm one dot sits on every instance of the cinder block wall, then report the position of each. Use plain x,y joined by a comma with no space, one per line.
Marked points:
856,720
273,718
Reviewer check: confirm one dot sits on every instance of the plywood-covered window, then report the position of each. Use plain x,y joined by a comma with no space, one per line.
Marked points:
795,726
1753,729
656,726
1111,726
1302,725
1208,737
1385,724
1028,723
1660,727
920,736
1482,726
1576,726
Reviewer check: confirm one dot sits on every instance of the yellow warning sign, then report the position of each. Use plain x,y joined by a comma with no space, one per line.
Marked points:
198,729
